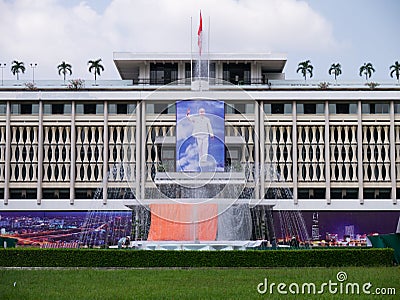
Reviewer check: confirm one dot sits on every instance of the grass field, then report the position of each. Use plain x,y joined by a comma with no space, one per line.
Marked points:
185,283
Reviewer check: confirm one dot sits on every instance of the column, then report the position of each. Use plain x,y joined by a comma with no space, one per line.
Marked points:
359,153
262,149
105,153
392,153
257,146
327,156
143,177
73,156
7,154
40,155
138,148
294,149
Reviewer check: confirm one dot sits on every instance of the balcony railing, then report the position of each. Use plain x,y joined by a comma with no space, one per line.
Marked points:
150,82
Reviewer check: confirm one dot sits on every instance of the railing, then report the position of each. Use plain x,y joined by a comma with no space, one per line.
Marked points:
142,82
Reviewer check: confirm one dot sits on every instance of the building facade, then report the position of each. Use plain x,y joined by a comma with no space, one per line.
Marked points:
297,145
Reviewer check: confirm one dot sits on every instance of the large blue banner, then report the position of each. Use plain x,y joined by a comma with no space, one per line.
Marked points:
200,136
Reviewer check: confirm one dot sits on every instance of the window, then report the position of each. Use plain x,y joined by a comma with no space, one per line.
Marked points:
167,160
344,193
55,193
310,108
89,108
278,108
188,70
23,193
397,107
342,108
25,108
160,108
239,108
57,108
237,73
87,194
375,108
279,193
163,73
311,193
377,193
3,108
121,108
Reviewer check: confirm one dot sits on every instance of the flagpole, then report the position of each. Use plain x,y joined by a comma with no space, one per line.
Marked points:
208,50
191,50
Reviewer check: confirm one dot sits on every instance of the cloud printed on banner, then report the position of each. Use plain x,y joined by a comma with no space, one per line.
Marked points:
189,159
49,31
183,130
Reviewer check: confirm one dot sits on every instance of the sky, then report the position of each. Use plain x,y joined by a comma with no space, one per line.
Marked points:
349,32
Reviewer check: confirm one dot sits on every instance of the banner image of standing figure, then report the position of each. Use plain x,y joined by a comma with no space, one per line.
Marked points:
200,136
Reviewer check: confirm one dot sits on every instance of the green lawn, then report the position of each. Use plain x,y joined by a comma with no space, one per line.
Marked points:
207,283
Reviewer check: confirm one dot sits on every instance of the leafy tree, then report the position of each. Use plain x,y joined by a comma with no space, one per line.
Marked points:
305,67
367,69
96,66
64,68
336,69
396,70
17,67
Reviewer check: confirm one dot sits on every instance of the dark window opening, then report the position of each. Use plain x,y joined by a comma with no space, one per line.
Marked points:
344,193
26,109
89,109
57,109
88,194
342,108
23,193
377,193
55,193
277,108
310,108
237,73
311,193
163,73
122,109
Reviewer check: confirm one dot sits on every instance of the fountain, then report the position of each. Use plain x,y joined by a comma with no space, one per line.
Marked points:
210,201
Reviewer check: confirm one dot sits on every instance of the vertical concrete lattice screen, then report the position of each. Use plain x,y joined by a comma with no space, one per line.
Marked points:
89,153
397,152
310,145
246,132
56,153
24,150
278,153
2,152
343,153
376,153
154,147
121,157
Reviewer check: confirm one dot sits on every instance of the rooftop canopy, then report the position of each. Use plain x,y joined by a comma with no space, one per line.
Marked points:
128,63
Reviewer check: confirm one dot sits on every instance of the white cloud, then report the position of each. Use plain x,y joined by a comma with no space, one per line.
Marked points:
48,32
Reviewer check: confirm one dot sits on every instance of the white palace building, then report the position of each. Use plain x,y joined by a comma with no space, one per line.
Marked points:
291,145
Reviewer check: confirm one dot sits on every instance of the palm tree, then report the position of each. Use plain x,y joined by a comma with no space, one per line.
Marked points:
336,69
395,69
64,68
367,69
17,67
305,67
96,66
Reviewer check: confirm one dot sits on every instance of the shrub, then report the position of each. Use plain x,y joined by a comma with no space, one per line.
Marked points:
76,84
372,85
139,258
323,85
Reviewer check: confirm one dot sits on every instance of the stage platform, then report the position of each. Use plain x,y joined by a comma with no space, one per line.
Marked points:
198,246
